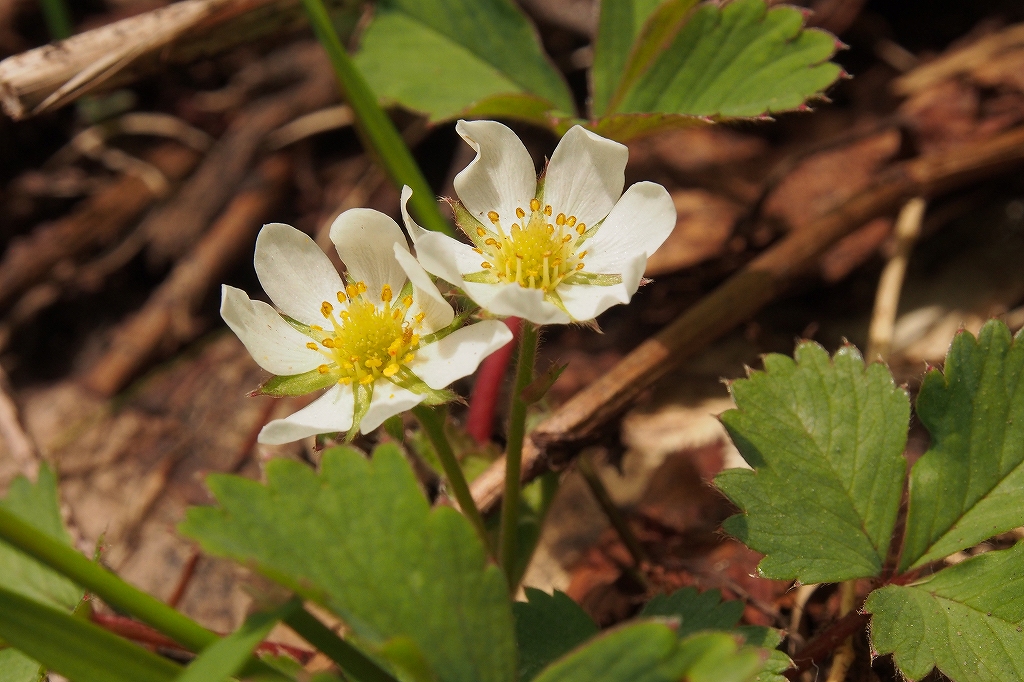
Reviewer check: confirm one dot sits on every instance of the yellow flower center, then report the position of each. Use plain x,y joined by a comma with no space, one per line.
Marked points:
366,340
536,253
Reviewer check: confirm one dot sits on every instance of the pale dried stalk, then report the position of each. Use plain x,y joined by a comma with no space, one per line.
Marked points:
19,444
580,419
887,297
844,655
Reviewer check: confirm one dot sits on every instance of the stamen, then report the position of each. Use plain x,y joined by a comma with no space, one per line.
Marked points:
570,221
326,309
385,293
352,290
407,301
328,342
391,370
316,327
368,379
362,287
534,205
547,210
323,369
582,255
566,238
581,228
492,216
341,297
480,232
560,220
312,346
485,265
520,213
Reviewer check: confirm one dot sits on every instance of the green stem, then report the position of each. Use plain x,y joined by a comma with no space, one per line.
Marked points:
514,453
433,424
112,589
354,662
376,129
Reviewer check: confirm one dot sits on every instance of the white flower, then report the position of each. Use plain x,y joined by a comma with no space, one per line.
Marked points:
383,342
559,250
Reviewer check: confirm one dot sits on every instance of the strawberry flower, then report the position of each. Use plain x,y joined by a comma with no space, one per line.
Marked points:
381,341
561,249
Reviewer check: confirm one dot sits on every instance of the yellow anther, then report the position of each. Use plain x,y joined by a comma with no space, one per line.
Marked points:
344,314
326,309
312,346
520,213
323,369
345,380
547,210
368,379
581,228
328,342
566,238
480,232
480,251
581,255
560,220
316,327
353,359
534,205
415,338
341,297
397,313
408,358
485,265
551,228
352,290
419,318
570,221
579,266
491,241
492,216
385,293
373,363
407,301
362,287
391,370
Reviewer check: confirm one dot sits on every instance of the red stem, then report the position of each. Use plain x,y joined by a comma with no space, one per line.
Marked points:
143,634
822,645
483,403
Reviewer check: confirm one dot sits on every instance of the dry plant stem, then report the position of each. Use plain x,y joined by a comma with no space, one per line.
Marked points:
610,509
118,53
759,282
166,319
94,223
509,530
432,422
824,644
176,226
803,595
887,297
19,444
844,655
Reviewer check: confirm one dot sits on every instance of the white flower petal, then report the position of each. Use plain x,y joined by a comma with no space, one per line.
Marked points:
436,252
330,413
388,400
585,301
501,177
640,222
438,313
512,299
585,175
274,344
366,241
458,354
294,272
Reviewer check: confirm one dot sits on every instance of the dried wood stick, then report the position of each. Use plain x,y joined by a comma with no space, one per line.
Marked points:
53,75
174,227
94,223
166,320
580,419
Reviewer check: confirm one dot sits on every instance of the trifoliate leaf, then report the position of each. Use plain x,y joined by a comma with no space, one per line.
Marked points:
651,652
825,440
966,620
739,60
384,562
969,485
548,626
442,57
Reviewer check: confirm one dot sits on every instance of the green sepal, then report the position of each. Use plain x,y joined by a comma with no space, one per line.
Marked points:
482,277
296,384
593,279
539,387
469,224
363,394
407,290
591,231
405,378
456,324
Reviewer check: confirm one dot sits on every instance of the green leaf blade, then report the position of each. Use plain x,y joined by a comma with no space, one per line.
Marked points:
825,438
618,26
227,656
547,628
443,56
741,60
969,485
966,620
385,563
74,647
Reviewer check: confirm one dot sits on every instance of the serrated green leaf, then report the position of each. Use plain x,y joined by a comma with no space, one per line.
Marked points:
548,626
442,57
386,563
226,657
825,439
76,648
651,652
626,127
969,485
966,620
767,638
619,25
739,60
37,504
695,611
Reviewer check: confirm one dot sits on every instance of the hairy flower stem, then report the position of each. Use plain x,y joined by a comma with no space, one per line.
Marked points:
514,452
432,422
378,133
